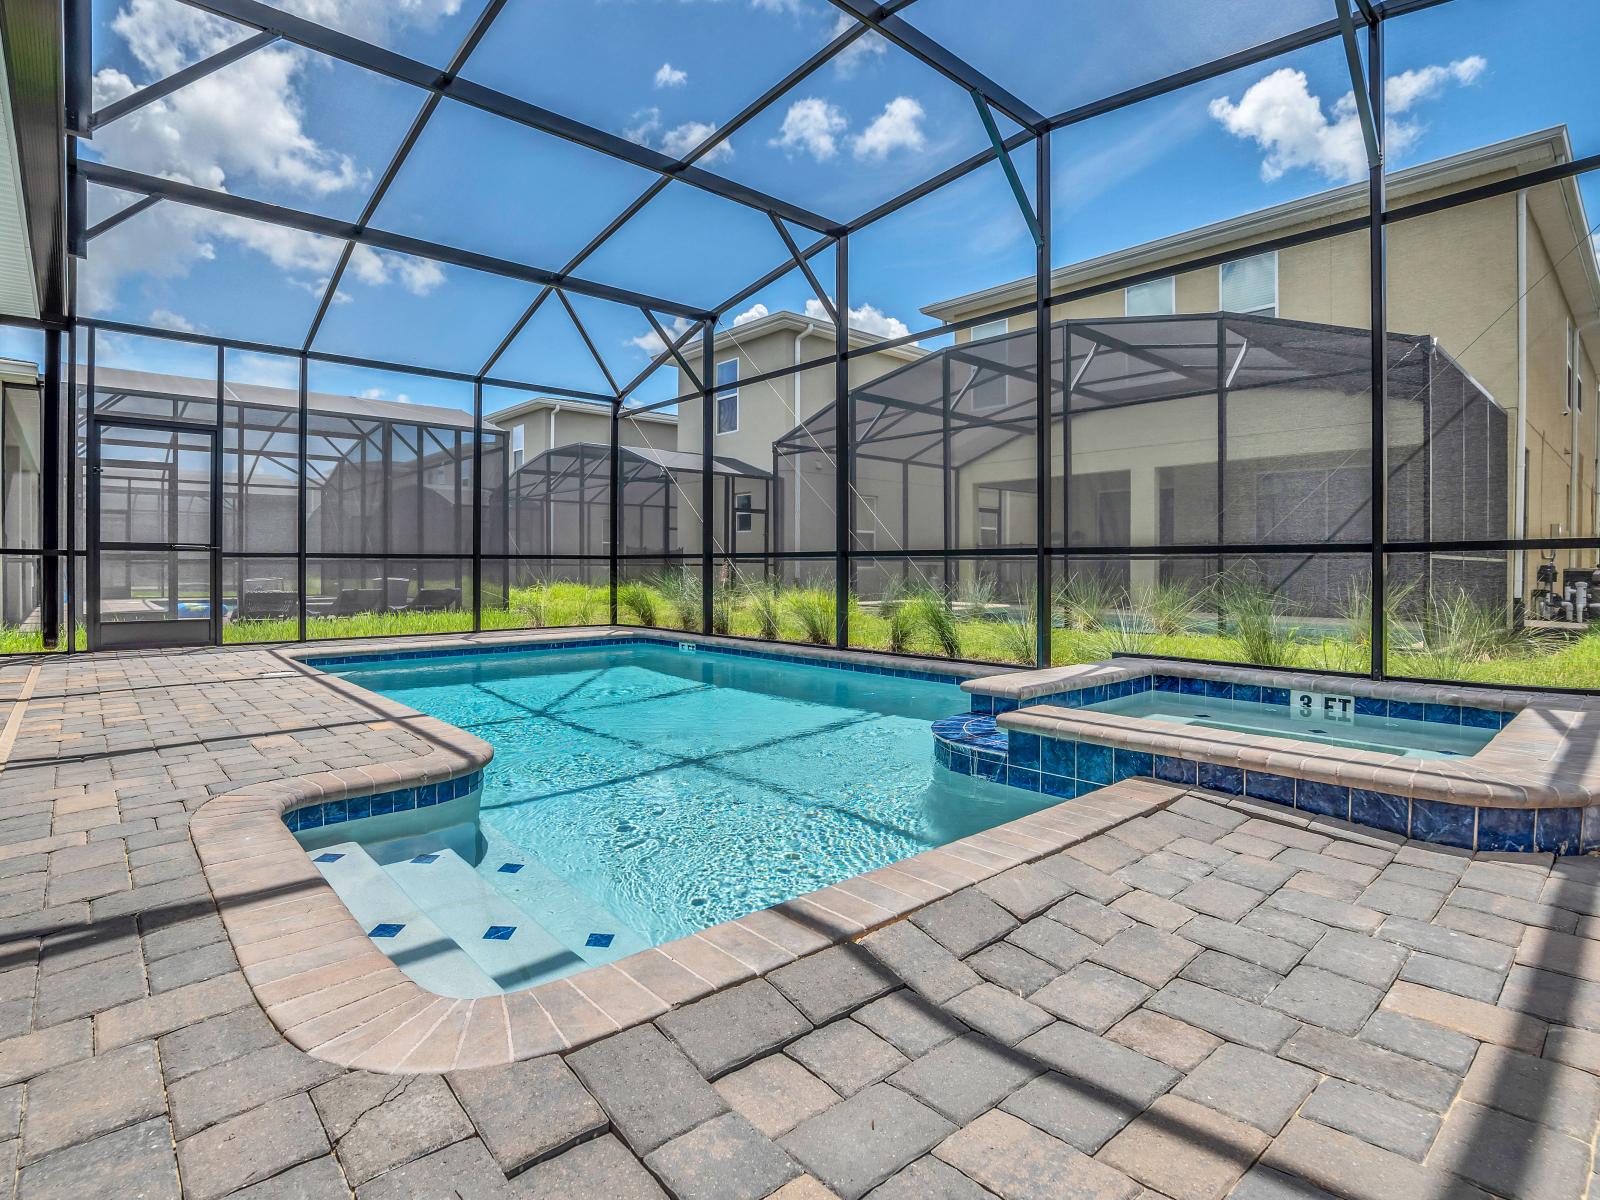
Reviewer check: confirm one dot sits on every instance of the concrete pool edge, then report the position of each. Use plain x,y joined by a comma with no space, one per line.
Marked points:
333,994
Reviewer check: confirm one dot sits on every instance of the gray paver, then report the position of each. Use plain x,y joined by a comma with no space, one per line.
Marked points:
136,1161
1509,1156
909,1023
1093,996
1225,973
1229,1018
727,1158
967,1076
1023,891
602,1167
929,1179
724,1032
1081,877
1382,1070
860,1142
213,1041
775,1094
84,1099
1148,955
1017,1161
992,1010
964,922
1253,946
528,1110
1220,898
1052,942
1534,1089
1070,1109
463,1170
251,1147
1253,1087
1099,1062
1185,1150
1381,1120
1368,960
1420,1039
1451,975
1013,968
1448,943
1323,998
378,1122
832,982
649,1089
920,962
1090,917
847,1056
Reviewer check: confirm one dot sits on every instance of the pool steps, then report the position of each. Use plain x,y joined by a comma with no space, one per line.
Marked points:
467,907
420,948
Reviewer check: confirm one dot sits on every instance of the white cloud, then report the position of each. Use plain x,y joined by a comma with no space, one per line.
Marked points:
678,141
812,126
165,318
754,313
650,342
897,127
858,53
865,319
244,123
778,6
669,76
1279,114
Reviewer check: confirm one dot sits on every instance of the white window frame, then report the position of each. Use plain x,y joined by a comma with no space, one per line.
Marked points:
723,390
744,513
1171,291
1263,310
989,329
518,442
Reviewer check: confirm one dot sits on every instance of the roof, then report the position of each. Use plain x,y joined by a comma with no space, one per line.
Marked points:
667,460
19,295
784,321
1531,151
535,403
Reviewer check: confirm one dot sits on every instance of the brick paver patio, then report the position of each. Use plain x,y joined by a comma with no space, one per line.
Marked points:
1216,999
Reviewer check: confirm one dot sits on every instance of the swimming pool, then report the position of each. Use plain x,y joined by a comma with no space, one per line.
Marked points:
643,792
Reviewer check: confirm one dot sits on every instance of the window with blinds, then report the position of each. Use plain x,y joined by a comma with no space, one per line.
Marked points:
1157,298
1250,285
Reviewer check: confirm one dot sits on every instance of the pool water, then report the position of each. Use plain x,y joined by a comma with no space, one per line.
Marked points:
1385,735
665,791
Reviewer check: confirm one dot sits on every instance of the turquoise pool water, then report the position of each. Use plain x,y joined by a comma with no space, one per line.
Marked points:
668,791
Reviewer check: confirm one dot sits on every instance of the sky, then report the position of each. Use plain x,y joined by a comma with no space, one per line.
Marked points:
287,126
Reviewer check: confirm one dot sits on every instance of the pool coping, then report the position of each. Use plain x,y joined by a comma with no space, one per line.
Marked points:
332,993
1539,759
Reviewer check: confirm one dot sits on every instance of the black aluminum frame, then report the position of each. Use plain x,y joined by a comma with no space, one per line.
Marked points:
882,20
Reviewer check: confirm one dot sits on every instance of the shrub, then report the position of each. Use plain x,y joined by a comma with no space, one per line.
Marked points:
1251,613
817,611
766,604
641,603
680,590
1084,599
931,610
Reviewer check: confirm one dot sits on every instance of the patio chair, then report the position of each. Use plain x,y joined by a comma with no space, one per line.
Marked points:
265,606
442,599
351,601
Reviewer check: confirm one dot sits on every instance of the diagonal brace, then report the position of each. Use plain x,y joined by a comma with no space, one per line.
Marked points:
1352,56
805,269
1006,165
179,79
666,340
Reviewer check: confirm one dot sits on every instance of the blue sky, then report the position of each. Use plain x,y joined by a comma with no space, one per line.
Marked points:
287,126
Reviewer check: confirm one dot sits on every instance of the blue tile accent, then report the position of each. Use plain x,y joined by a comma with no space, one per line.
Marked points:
425,858
337,812
1371,706
509,868
327,858
385,930
1167,683
1247,693
1407,710
982,703
1058,785
1190,686
1059,757
1002,705
499,933
1218,689
1126,764
1558,830
1094,763
1480,718
1263,785
1380,810
1222,779
1174,770
960,761
990,767
1442,714
1439,821
1275,695
1509,829
1328,799
1022,777
1023,749
599,941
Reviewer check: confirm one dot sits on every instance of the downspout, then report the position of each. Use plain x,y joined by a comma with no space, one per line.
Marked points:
794,500
1573,414
1520,499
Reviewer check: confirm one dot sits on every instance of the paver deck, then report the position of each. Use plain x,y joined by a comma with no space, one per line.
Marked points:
1212,999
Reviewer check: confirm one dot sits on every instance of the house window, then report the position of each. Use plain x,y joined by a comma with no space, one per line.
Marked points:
989,501
744,517
516,447
1250,285
1157,298
866,508
728,396
989,329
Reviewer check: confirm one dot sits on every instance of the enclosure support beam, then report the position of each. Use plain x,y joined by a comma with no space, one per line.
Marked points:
805,269
843,424
477,511
707,475
274,214
1041,435
613,514
302,437
672,349
594,352
121,215
1003,157
162,88
1378,273
50,480
1367,107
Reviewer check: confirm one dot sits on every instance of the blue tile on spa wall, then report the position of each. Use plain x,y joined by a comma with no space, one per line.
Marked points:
1263,785
1371,706
1058,785
1589,837
990,767
1380,810
1447,824
1557,830
1023,749
1057,756
1174,770
1094,763
1022,777
1326,799
1406,710
1126,764
1507,829
1222,779
1480,718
